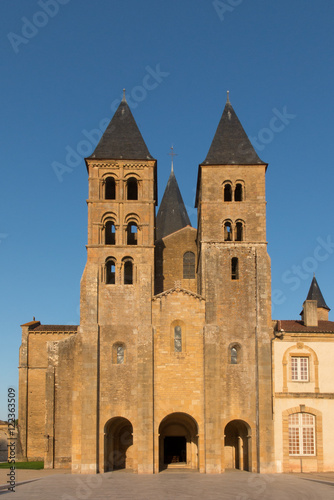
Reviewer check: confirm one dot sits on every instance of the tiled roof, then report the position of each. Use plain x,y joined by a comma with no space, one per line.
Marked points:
122,138
230,145
56,328
172,214
30,323
295,326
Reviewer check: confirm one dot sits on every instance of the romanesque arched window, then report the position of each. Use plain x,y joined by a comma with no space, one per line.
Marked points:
302,434
127,271
132,233
239,236
234,356
234,353
110,270
189,265
227,192
234,268
118,353
228,234
110,188
132,189
110,233
177,339
238,192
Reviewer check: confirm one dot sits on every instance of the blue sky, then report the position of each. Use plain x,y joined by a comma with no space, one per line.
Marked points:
64,65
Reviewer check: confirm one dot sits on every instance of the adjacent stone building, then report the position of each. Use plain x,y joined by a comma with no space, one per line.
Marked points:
176,361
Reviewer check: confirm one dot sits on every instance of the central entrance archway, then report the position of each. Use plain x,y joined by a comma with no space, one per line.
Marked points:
237,445
178,441
118,444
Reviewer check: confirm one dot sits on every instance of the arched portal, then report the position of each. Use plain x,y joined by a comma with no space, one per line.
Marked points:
237,445
118,444
178,441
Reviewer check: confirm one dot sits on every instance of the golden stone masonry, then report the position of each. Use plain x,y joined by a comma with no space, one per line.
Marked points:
177,362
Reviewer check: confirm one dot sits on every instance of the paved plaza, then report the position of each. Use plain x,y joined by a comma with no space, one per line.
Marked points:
234,485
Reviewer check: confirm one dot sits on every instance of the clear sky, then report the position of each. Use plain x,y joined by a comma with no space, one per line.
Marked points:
64,65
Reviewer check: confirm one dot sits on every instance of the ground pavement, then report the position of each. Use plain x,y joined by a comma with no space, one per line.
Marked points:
236,485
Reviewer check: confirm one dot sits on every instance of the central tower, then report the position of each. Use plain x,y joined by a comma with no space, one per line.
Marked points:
234,278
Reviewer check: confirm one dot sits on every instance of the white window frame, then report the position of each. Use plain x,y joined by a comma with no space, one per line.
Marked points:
300,368
302,435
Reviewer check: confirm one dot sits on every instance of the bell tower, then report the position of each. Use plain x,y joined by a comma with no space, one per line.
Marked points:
234,278
115,333
121,212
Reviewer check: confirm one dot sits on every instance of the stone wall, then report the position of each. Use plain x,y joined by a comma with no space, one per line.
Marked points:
169,260
3,441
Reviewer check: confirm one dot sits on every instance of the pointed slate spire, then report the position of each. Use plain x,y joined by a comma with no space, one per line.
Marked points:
230,145
172,214
122,138
315,294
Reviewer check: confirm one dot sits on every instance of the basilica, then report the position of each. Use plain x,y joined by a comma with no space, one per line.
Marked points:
177,362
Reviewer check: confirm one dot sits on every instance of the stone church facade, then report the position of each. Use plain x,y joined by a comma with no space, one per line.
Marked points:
176,361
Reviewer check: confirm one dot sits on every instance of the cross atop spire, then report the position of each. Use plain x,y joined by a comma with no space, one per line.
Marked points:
172,154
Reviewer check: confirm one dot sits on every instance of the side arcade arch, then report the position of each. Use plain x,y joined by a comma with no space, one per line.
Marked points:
237,446
118,444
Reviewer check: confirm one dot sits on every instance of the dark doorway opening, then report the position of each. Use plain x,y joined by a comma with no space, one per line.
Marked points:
118,445
175,449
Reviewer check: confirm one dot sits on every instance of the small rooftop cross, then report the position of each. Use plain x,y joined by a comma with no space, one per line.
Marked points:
172,154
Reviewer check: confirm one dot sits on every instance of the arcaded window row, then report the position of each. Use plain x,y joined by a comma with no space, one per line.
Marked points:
110,189
109,230
126,269
234,231
233,192
126,274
